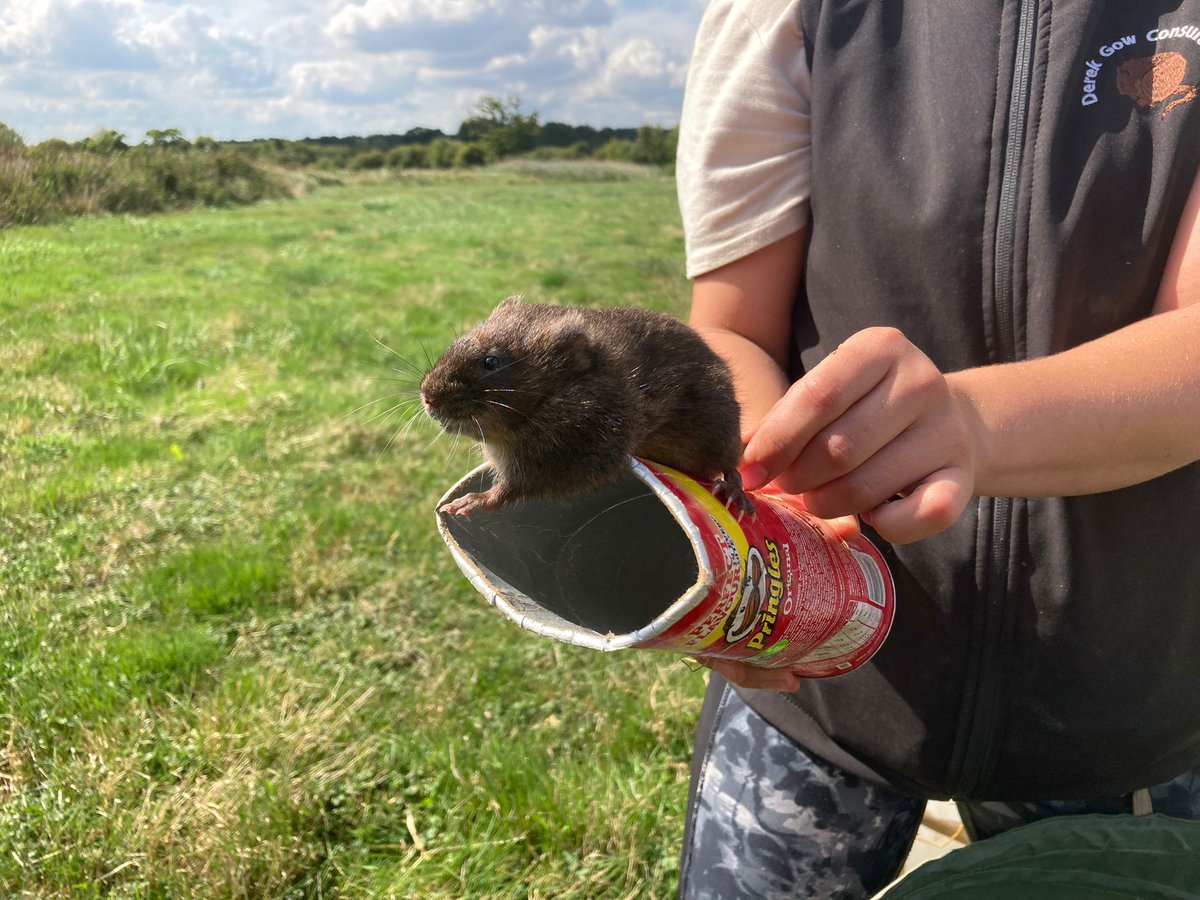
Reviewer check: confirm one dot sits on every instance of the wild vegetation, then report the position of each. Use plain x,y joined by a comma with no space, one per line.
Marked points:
104,173
235,659
53,179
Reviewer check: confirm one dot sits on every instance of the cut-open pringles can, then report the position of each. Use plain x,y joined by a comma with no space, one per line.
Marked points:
656,561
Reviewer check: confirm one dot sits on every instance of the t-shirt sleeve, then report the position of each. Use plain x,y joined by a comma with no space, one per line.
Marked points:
743,164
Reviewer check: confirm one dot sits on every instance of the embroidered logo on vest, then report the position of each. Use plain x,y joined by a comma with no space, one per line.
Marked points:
1152,80
1158,81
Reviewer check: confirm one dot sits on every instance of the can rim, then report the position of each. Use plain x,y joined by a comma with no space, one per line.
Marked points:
532,616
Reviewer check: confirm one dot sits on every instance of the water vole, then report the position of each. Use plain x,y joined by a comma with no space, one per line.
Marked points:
561,397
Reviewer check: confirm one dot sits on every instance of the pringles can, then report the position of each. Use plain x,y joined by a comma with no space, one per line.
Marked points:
656,561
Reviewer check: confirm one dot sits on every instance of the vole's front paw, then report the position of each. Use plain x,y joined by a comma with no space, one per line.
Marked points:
729,491
487,501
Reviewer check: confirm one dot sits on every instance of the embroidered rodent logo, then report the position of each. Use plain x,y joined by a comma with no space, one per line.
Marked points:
1153,80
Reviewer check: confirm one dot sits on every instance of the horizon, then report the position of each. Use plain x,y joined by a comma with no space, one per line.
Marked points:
135,138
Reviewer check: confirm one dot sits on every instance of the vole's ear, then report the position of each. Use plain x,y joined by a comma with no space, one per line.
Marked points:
575,348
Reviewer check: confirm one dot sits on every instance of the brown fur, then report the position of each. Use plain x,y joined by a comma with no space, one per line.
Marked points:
561,397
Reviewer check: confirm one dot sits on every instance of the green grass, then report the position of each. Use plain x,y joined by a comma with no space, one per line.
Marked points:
235,659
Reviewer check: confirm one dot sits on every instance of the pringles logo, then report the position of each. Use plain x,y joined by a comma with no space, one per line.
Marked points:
1159,80
758,605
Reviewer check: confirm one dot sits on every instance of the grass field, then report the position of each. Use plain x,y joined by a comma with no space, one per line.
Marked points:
235,659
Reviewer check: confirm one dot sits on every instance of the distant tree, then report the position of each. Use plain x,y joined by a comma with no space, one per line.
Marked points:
104,141
11,143
421,135
655,146
166,137
500,126
558,134
204,142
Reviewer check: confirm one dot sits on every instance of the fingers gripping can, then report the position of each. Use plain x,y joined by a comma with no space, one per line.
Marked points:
658,562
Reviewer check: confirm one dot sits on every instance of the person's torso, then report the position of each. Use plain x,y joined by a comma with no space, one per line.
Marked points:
1003,181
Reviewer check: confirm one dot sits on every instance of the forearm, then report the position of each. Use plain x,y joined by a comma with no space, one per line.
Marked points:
744,311
1116,411
1113,412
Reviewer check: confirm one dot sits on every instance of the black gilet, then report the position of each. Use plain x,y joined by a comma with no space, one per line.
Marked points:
1001,181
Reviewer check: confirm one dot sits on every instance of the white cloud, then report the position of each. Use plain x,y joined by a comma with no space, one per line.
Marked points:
74,34
352,83
291,68
457,29
640,66
190,39
555,56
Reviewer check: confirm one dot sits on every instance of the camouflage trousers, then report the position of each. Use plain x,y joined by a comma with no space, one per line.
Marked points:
768,820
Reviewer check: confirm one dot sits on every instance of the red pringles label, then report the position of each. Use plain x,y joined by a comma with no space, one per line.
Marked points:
785,593
779,590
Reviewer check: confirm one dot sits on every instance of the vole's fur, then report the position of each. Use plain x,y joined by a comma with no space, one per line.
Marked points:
562,396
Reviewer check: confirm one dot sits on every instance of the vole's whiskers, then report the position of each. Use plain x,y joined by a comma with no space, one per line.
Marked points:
513,390
430,358
410,367
402,405
490,402
402,430
357,409
453,447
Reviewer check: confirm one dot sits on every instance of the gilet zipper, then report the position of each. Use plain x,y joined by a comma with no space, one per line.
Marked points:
975,758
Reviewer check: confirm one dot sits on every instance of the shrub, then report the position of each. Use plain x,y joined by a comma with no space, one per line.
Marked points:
469,155
441,153
576,151
616,150
55,180
51,147
368,159
408,156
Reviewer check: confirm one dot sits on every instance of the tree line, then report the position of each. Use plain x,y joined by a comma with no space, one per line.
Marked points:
106,172
496,130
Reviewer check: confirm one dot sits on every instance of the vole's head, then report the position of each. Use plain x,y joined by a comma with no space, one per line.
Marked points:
495,381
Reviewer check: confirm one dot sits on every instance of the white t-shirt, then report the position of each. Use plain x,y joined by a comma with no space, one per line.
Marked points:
743,165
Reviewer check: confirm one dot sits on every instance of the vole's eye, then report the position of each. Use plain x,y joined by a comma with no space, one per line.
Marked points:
491,363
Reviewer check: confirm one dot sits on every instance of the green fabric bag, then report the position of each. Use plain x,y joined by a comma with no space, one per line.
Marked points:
1069,858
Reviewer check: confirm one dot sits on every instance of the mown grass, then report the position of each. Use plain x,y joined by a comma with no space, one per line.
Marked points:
235,659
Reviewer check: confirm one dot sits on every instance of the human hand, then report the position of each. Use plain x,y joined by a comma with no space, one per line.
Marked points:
873,430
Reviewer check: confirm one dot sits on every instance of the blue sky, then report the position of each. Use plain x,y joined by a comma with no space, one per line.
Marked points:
270,68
